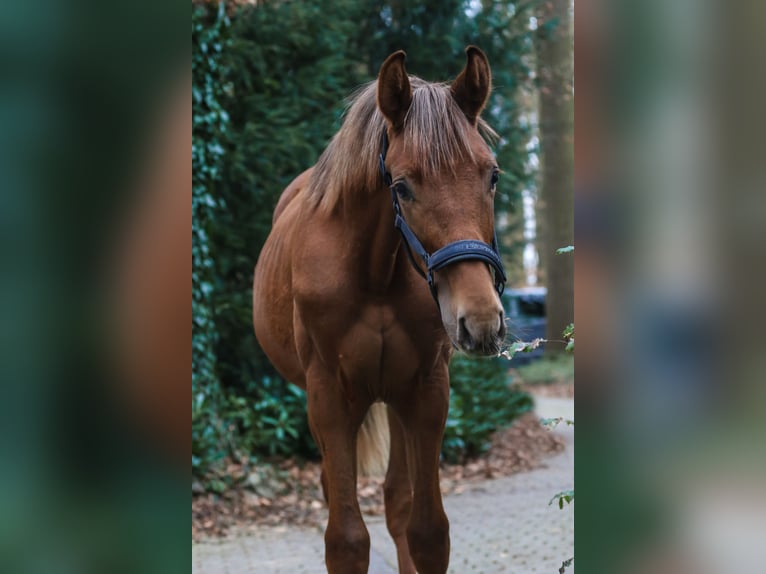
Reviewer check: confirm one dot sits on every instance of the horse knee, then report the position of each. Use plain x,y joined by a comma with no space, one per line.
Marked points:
429,546
347,549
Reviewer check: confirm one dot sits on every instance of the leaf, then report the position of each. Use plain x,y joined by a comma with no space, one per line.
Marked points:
528,346
521,347
563,496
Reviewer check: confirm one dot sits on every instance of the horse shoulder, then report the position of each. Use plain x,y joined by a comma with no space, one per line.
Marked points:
273,297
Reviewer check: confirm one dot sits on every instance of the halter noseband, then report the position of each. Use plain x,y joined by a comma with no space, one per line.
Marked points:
462,250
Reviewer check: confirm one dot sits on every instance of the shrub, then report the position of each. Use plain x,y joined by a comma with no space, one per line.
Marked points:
271,419
481,402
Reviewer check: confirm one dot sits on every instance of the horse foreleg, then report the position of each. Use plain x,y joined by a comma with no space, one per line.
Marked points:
322,475
397,493
428,528
334,423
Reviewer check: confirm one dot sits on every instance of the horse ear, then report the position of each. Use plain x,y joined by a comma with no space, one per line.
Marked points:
394,91
471,88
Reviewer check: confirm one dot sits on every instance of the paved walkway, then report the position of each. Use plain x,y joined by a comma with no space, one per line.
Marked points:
499,526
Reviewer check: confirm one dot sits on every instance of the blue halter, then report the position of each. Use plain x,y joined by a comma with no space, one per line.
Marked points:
463,250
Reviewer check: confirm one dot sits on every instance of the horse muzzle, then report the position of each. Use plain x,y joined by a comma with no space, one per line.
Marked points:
480,333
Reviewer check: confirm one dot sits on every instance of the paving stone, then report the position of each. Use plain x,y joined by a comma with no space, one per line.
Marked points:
499,526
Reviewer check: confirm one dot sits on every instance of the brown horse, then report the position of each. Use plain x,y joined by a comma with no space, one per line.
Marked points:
341,310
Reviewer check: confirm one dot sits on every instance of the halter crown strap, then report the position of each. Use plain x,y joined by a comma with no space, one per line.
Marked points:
462,250
413,244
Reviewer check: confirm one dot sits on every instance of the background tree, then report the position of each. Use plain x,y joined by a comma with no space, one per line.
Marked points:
555,199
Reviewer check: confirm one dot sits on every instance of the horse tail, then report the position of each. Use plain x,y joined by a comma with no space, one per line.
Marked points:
373,442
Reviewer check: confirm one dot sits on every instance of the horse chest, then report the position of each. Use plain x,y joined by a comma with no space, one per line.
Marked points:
378,349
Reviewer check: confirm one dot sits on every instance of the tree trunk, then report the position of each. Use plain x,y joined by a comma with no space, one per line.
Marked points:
555,199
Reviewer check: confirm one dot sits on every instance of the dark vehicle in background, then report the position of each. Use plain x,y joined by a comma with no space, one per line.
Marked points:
525,319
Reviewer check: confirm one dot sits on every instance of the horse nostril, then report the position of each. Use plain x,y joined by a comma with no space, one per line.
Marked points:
463,335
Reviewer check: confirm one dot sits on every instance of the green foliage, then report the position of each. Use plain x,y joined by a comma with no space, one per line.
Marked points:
551,423
268,89
289,69
522,347
271,419
569,337
562,497
481,402
210,122
269,84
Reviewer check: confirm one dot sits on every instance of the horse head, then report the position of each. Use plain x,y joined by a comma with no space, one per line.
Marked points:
442,176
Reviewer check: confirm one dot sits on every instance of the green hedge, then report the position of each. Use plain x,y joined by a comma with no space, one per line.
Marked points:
481,402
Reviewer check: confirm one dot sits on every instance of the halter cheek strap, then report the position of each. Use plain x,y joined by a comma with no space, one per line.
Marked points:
462,250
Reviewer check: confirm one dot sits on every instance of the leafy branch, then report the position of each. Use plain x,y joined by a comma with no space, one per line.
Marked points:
569,337
529,346
522,347
552,423
562,497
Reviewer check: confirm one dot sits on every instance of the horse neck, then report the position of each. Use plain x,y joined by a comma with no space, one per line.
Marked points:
374,241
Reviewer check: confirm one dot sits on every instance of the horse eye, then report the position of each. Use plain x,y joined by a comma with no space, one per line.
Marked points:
495,177
403,191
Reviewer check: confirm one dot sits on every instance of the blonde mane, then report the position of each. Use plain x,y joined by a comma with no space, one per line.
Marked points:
435,133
